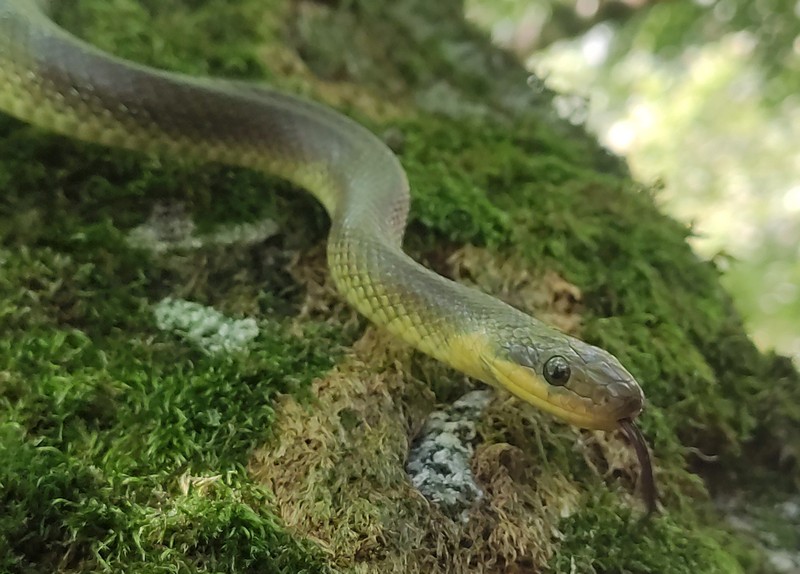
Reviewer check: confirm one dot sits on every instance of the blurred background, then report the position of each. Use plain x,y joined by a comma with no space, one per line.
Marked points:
703,98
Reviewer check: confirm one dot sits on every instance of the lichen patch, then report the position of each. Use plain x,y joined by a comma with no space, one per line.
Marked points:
170,228
204,326
439,460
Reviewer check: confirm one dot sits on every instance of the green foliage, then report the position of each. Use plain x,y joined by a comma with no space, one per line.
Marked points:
447,197
772,25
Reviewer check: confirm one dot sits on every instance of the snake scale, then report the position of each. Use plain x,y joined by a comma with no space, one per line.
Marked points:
60,83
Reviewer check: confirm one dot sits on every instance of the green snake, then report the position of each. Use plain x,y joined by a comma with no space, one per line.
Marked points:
60,83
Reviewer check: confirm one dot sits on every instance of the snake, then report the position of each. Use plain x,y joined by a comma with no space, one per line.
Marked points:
53,80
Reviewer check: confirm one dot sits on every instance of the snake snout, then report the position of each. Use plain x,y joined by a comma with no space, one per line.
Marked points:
629,397
619,399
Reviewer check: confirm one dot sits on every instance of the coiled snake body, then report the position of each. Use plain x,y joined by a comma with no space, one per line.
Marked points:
53,80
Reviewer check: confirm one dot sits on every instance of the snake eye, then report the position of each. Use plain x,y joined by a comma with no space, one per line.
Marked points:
557,371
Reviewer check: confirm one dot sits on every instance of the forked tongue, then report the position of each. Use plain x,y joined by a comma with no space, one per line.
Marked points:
646,479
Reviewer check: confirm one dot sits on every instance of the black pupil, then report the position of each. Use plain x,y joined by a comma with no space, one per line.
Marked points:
556,371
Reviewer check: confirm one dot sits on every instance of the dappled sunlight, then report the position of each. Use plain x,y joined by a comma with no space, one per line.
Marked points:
704,120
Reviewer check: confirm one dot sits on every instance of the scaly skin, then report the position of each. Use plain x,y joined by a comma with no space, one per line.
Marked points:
57,82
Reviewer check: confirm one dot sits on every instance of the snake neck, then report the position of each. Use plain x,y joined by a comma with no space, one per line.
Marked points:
444,319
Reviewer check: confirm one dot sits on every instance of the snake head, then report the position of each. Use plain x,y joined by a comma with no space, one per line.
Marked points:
577,382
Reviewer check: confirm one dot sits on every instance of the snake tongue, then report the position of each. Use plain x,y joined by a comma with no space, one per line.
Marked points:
648,483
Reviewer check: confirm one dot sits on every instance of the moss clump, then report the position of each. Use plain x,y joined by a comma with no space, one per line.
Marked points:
337,472
100,429
64,511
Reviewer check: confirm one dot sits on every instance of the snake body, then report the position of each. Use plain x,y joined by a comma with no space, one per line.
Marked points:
56,81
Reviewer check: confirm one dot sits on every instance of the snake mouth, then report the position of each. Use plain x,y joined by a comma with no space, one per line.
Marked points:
646,478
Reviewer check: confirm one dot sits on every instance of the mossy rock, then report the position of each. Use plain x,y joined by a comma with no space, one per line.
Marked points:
132,442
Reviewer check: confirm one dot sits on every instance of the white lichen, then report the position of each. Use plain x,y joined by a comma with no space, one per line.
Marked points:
204,326
169,228
439,460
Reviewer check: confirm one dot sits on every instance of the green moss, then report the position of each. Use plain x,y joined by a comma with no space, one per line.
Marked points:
96,428
107,419
63,511
200,38
591,544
